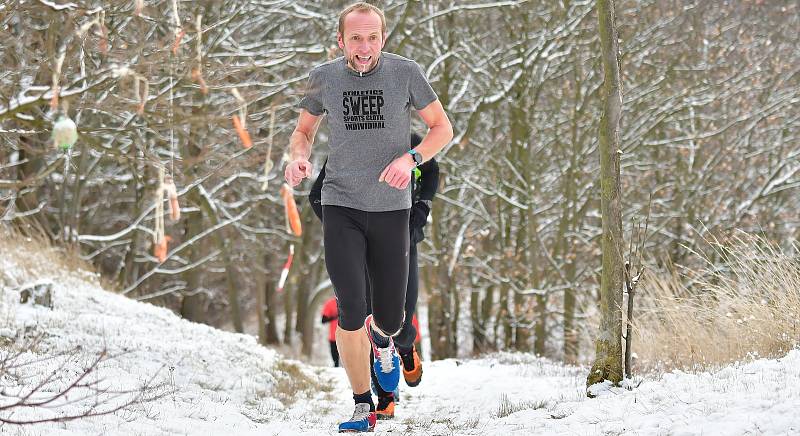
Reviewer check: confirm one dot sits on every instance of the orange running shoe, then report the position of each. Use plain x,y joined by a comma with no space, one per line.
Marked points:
385,408
412,367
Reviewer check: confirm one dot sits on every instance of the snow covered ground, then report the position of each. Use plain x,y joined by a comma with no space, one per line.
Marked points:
219,383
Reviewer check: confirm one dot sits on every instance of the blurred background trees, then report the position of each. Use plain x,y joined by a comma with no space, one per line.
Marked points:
709,129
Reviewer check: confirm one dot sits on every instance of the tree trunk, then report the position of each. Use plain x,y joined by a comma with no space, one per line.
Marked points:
140,241
288,310
306,277
481,312
572,222
289,291
311,314
320,294
193,306
480,341
442,305
520,136
31,165
443,318
270,308
608,359
540,326
261,306
230,270
230,280
570,307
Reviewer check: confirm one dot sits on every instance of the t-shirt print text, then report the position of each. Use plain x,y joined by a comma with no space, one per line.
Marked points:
363,109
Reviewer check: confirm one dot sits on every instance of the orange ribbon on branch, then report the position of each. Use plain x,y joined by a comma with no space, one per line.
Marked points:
243,135
292,215
160,248
286,267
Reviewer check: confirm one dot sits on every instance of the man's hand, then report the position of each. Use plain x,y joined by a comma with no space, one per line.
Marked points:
398,173
296,171
419,215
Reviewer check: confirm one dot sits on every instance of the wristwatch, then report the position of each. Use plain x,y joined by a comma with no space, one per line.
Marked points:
416,156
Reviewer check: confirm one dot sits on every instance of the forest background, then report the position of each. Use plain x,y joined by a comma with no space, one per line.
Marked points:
511,261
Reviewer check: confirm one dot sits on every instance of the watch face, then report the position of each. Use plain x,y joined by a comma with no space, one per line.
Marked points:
418,158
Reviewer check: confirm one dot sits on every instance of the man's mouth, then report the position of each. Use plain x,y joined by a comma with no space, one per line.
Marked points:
363,59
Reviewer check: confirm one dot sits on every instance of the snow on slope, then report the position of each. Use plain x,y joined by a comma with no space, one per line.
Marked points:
226,384
213,381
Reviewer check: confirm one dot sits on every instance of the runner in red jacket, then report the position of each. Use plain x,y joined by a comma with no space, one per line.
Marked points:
330,315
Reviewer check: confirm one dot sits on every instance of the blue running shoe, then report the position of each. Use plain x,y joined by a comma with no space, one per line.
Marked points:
396,392
387,362
362,421
375,392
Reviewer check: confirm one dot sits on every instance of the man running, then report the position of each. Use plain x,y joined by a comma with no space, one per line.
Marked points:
425,182
367,96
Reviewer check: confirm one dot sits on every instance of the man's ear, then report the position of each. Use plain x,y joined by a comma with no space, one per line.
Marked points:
340,40
383,44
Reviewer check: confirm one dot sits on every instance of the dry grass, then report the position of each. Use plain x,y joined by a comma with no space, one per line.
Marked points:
35,256
745,307
508,407
295,384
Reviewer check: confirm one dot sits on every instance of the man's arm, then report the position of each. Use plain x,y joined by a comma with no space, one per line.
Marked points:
440,132
300,148
303,136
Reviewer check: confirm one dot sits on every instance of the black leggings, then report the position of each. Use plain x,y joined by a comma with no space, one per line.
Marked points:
405,340
408,333
368,246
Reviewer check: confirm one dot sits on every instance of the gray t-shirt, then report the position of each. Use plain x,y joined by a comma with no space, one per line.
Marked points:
369,122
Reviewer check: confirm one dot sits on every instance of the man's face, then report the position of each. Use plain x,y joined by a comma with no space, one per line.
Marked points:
362,40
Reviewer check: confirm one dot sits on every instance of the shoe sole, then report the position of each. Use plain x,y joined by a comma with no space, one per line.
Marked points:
413,384
408,374
369,430
410,382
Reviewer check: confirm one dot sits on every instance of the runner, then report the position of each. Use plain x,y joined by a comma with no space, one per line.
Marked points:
367,95
330,314
425,184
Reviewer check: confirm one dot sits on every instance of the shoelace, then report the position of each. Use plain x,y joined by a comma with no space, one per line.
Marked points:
385,357
361,412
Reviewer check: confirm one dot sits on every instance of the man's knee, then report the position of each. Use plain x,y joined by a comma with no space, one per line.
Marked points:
351,323
352,312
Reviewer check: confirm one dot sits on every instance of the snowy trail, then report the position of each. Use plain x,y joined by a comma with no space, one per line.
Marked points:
225,384
761,397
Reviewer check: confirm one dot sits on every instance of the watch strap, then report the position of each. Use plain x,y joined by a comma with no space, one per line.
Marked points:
416,156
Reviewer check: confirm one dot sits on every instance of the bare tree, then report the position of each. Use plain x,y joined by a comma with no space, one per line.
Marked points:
511,259
54,391
608,358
